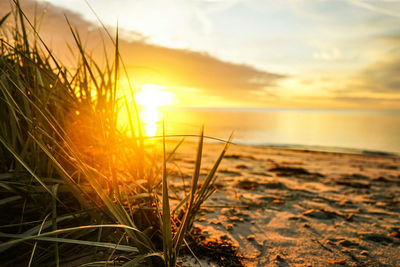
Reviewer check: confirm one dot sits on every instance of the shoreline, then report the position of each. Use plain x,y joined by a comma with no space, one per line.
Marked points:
297,147
328,149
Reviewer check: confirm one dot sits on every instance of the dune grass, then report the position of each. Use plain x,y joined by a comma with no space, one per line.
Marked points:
72,183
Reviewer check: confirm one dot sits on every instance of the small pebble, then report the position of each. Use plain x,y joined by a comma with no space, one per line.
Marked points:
279,258
233,218
224,211
229,226
395,234
242,166
251,237
278,201
236,219
364,253
215,221
349,217
224,237
340,261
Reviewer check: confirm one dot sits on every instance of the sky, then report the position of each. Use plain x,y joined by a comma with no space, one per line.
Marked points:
222,53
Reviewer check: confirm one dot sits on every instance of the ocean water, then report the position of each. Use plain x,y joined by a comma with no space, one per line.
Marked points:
325,129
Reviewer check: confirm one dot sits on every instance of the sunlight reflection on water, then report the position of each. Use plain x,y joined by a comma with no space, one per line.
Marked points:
365,130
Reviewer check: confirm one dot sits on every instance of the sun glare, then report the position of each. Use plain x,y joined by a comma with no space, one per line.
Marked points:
149,100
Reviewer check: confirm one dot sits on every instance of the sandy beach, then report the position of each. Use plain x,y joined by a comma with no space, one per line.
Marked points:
94,98
286,207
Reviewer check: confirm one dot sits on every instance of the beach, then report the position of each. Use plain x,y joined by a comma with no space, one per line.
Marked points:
287,207
92,168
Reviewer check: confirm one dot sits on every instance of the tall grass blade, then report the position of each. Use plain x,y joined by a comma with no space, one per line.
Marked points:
22,162
34,246
21,20
191,251
74,241
210,176
166,216
3,19
23,238
172,153
7,200
54,222
136,261
115,248
183,227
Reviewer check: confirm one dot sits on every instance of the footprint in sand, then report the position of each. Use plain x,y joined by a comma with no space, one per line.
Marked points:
378,238
321,214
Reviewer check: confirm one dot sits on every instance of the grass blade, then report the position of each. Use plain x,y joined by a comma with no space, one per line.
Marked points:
34,246
210,176
135,262
166,216
75,241
183,227
4,18
22,238
22,162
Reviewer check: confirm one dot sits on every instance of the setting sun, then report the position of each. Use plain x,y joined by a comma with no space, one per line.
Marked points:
149,99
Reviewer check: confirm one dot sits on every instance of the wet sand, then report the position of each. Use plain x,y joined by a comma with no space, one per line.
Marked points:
285,207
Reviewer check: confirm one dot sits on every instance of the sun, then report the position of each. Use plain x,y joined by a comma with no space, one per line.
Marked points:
149,100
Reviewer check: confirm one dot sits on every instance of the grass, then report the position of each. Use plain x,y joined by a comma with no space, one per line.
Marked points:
72,182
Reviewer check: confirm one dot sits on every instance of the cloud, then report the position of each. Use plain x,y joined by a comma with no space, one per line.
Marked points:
148,63
381,7
376,85
382,76
329,55
198,70
367,100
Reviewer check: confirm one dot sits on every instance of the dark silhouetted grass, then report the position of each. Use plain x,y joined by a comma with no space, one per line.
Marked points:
72,183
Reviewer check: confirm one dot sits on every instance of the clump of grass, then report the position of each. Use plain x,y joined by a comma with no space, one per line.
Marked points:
72,183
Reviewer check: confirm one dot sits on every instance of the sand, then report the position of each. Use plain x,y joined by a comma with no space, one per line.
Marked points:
285,207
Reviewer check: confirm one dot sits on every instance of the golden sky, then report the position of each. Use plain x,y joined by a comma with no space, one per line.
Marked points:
216,53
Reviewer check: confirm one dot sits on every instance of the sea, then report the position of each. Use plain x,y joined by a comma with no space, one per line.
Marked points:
365,131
